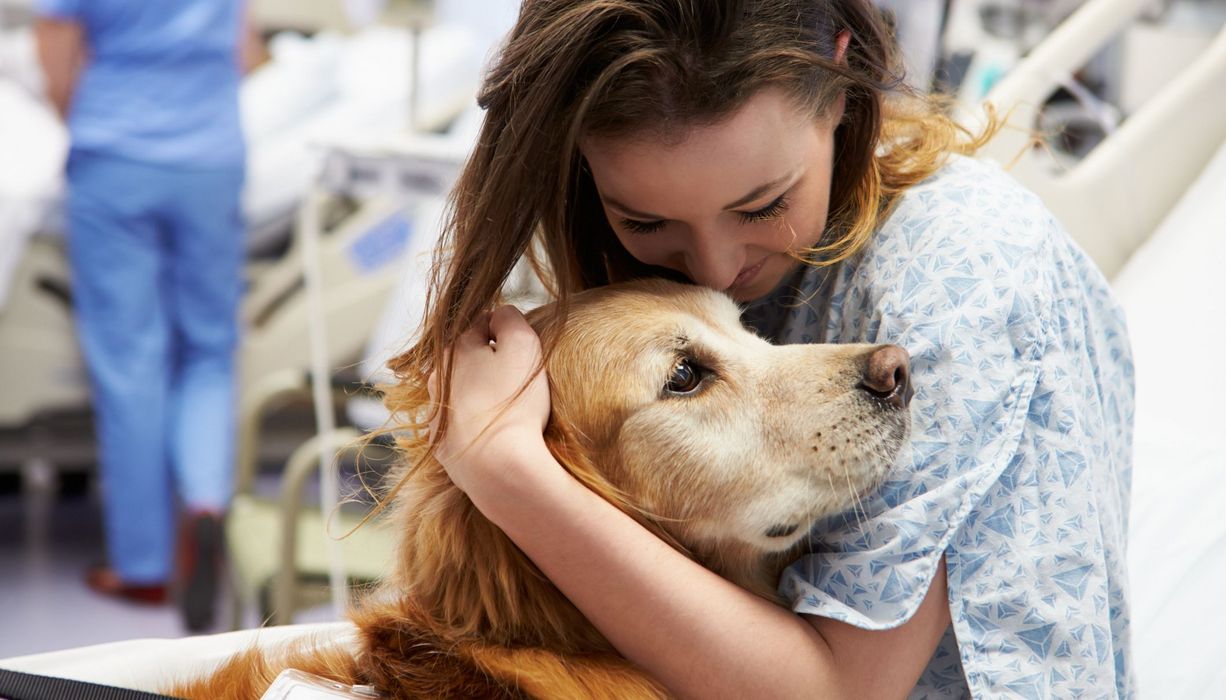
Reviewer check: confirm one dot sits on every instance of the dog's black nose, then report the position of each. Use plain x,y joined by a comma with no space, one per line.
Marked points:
887,377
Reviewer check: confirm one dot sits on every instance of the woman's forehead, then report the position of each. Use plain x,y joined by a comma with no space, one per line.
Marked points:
766,139
768,116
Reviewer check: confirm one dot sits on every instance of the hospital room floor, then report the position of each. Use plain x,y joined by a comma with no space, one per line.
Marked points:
47,543
50,532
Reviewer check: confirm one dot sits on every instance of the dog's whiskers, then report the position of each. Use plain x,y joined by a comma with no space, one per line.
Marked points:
857,508
830,482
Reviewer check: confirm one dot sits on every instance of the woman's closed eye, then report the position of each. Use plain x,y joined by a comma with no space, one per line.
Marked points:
770,211
636,226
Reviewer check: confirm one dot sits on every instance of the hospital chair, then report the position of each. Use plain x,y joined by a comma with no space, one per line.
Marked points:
369,550
398,184
277,545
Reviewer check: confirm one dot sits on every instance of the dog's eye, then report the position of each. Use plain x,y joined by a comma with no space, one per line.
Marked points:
686,378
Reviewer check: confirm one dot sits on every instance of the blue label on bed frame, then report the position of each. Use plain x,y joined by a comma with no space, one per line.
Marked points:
381,243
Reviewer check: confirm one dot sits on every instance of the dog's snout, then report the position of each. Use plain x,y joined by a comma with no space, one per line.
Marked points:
887,376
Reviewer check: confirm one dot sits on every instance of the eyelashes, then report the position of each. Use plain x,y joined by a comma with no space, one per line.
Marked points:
770,211
636,226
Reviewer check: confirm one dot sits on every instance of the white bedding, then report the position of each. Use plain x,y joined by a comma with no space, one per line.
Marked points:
1174,292
33,145
155,664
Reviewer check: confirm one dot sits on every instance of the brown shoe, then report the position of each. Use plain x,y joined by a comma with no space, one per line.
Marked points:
103,580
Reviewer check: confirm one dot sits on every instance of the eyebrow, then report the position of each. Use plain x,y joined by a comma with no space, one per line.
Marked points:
749,197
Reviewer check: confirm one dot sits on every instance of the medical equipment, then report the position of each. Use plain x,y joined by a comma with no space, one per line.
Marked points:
409,167
414,170
296,685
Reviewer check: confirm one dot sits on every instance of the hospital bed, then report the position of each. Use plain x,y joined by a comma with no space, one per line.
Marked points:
1154,218
314,88
1149,205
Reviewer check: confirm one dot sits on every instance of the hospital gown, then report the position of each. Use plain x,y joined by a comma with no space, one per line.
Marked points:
1020,460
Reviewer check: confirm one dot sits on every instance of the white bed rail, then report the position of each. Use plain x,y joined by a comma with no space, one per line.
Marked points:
1118,194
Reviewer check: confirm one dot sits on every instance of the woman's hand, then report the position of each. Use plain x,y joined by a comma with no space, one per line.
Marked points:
485,429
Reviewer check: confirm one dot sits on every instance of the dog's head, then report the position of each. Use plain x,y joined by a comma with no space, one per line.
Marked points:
714,433
716,440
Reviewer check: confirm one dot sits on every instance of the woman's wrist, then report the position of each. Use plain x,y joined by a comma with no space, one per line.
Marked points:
526,472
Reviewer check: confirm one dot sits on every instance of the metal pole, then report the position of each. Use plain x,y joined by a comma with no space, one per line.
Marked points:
321,391
414,71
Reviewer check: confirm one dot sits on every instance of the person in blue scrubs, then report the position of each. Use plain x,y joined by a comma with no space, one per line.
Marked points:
155,239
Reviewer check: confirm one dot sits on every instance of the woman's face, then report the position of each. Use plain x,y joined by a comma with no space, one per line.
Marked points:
724,204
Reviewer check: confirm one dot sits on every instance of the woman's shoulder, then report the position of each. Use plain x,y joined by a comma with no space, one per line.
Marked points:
974,201
968,247
970,220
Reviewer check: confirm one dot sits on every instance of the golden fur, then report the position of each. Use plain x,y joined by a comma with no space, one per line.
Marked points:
773,437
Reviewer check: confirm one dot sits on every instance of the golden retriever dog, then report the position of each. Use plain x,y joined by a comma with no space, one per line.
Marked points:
726,446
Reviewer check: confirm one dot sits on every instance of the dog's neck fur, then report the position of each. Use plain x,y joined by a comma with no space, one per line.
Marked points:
468,577
745,566
471,581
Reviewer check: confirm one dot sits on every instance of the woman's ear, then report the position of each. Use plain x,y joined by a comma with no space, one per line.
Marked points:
841,40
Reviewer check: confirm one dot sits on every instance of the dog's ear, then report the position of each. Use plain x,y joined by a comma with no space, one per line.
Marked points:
567,445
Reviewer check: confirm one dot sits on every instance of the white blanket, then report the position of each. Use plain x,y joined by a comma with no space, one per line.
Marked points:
33,146
154,665
1174,291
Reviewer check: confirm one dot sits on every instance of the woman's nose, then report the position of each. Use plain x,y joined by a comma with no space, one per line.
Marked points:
712,263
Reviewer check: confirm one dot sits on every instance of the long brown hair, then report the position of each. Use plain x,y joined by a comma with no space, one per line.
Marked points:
570,68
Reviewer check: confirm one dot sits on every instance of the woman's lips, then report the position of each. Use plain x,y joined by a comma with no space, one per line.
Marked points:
746,276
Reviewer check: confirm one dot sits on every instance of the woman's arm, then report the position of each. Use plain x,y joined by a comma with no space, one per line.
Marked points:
61,51
701,635
698,633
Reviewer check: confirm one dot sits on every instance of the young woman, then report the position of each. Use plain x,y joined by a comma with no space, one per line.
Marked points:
761,147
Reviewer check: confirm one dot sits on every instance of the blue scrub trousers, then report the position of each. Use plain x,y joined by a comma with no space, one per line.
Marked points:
156,255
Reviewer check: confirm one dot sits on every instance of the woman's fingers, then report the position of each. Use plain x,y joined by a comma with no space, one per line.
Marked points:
507,322
477,336
515,340
475,339
499,350
498,399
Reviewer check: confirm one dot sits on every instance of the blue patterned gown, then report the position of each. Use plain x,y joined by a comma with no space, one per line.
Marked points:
1020,463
